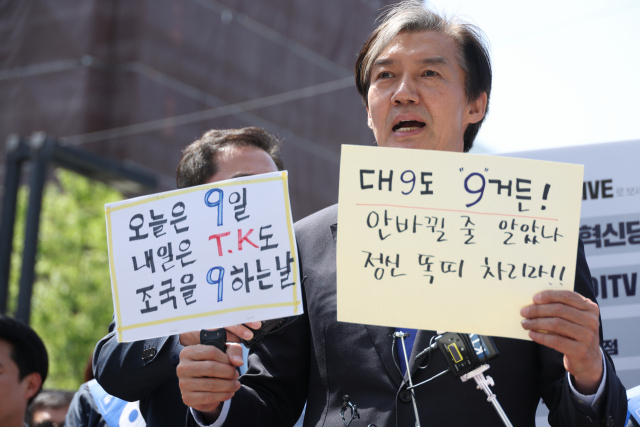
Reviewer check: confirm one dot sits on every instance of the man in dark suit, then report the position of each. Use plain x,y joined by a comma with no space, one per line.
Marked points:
146,370
425,82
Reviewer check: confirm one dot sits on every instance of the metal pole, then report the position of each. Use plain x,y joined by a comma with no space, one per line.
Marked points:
42,148
17,152
501,413
483,384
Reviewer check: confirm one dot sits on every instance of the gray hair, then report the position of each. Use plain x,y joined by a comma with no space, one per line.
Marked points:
412,16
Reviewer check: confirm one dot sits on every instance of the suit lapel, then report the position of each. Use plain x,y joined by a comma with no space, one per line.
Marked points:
382,338
380,335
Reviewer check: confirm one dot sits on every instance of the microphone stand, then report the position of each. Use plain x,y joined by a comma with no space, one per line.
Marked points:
483,384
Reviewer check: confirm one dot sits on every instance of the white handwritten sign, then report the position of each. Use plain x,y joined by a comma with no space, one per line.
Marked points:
451,241
203,257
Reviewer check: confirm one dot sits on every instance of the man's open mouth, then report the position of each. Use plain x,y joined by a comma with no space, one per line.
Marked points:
407,125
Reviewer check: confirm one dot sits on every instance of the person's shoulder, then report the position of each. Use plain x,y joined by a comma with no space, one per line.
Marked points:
321,219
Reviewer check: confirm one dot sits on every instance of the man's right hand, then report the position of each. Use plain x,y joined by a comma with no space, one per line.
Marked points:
208,377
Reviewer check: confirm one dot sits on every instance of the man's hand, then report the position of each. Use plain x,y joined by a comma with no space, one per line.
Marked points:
208,377
569,323
234,333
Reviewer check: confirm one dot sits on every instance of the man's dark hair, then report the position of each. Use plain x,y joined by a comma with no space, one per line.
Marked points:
198,162
411,16
49,399
27,349
88,369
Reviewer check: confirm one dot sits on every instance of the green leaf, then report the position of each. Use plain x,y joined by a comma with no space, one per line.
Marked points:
71,306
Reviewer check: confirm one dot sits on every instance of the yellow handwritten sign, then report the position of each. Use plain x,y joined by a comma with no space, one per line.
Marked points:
451,241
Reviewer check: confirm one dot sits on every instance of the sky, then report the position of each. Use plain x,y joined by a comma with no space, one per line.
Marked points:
565,72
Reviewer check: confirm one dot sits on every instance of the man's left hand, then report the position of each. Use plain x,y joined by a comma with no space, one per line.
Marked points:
569,323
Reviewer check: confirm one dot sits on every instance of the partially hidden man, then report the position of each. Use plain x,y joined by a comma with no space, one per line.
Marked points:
146,370
425,82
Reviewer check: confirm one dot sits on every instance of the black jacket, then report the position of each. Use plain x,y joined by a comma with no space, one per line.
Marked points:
319,360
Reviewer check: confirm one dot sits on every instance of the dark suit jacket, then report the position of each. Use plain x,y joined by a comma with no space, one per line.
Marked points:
319,360
144,371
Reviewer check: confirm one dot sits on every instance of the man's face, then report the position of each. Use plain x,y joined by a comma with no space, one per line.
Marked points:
235,161
417,95
14,393
55,415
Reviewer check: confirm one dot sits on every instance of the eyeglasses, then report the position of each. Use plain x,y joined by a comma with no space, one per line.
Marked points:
49,424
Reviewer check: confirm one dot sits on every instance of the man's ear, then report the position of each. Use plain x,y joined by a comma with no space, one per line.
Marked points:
31,385
477,108
369,121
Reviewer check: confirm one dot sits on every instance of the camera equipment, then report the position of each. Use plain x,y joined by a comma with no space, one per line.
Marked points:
463,352
216,338
467,356
268,327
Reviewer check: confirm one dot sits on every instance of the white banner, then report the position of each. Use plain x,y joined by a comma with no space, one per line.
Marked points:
610,230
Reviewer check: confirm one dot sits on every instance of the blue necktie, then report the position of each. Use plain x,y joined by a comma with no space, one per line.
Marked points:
408,343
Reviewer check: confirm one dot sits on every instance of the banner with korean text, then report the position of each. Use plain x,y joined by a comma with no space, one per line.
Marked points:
610,231
451,241
209,256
